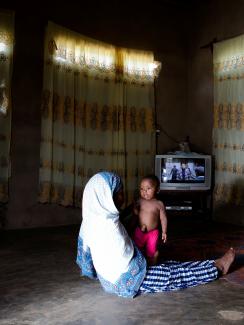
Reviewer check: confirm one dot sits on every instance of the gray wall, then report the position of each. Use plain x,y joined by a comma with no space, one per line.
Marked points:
171,100
159,28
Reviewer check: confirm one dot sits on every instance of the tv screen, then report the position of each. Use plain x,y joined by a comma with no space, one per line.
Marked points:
183,171
178,170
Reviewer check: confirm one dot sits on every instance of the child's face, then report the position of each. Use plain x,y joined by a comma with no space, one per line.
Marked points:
148,189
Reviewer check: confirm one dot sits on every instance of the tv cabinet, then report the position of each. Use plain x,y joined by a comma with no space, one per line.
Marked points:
187,201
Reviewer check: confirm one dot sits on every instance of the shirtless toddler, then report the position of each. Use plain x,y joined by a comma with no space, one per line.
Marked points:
151,213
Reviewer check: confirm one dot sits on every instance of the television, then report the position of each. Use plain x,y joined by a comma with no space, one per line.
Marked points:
187,171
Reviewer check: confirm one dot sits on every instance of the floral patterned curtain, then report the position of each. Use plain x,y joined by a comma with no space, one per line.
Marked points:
97,113
6,58
228,133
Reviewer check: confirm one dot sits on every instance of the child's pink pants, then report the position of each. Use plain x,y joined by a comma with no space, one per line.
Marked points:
147,241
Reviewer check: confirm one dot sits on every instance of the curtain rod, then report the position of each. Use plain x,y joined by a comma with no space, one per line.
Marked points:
215,40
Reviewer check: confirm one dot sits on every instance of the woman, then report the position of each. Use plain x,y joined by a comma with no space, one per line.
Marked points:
106,252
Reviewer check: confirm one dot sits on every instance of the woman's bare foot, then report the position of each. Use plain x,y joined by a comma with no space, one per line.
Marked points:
223,263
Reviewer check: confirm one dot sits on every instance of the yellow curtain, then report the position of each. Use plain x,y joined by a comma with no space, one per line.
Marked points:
97,113
6,58
228,132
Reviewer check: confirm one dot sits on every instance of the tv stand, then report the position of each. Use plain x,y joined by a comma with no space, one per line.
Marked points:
187,201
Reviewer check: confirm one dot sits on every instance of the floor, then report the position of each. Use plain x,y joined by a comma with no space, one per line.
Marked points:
40,284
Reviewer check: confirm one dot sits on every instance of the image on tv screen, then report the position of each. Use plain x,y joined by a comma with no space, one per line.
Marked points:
183,170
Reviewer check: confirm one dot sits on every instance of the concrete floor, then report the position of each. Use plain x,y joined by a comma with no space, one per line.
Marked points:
40,285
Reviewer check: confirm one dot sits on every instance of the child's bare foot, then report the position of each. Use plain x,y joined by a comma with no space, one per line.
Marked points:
223,263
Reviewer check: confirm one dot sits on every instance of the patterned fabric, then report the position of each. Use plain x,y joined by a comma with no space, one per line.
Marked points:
128,283
92,118
104,61
104,248
84,260
113,180
6,59
172,275
228,131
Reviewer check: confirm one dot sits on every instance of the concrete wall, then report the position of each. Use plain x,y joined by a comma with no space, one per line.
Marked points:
171,101
161,29
220,19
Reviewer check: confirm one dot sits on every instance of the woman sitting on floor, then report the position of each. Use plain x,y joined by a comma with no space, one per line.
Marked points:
107,253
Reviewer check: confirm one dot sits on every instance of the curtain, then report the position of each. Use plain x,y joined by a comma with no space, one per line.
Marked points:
6,58
97,113
228,132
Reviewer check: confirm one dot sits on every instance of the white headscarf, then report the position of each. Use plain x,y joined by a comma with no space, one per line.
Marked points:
103,240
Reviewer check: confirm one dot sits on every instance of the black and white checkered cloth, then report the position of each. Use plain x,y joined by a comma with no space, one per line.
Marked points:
173,275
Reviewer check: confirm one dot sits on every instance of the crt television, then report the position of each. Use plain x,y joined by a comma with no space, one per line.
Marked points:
183,171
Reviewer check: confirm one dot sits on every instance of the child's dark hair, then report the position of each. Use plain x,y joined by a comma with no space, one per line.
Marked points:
153,178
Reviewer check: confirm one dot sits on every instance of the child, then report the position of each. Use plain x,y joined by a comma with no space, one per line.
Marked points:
151,213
